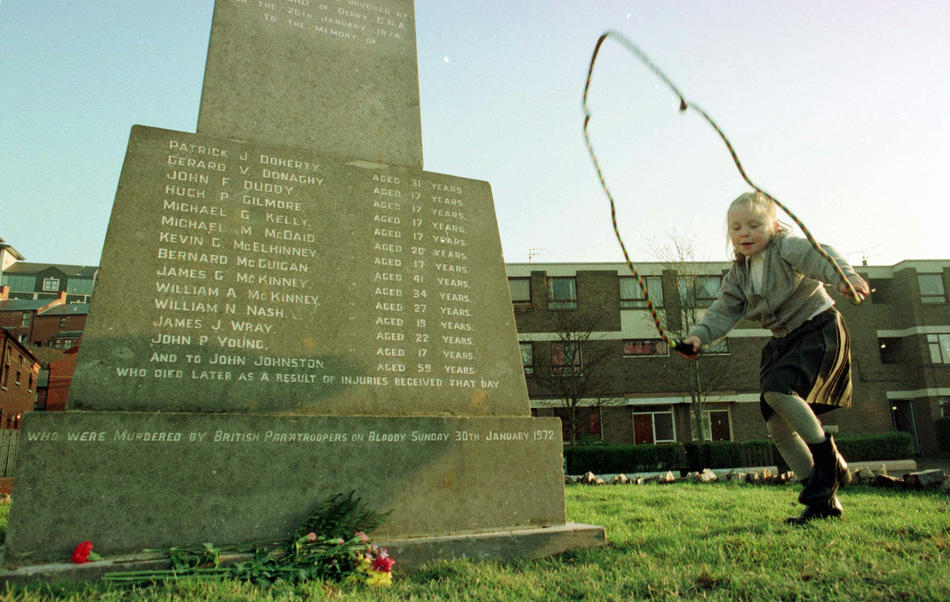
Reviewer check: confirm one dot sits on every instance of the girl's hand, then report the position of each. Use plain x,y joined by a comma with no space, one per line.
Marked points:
859,285
694,342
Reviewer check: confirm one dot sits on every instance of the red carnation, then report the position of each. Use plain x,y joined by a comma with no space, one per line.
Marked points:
383,564
81,553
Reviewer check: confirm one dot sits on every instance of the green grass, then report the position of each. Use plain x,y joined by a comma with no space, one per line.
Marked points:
722,541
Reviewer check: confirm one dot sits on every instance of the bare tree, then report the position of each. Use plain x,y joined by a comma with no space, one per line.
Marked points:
573,371
695,290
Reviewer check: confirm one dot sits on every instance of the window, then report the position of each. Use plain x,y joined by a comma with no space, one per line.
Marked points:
704,291
707,289
6,376
939,345
562,293
520,290
653,427
25,318
63,344
716,425
566,358
527,357
931,288
645,347
62,322
880,290
587,424
721,347
631,296
32,382
890,349
16,380
51,284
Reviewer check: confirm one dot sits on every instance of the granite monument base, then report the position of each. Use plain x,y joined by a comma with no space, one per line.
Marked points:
129,481
411,552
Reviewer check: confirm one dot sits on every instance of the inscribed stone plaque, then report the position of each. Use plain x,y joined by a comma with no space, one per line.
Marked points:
247,278
153,480
335,76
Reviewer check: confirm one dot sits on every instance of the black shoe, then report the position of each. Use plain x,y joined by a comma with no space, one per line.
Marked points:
830,509
829,473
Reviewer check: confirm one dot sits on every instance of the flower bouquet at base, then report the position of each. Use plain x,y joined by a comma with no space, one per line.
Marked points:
330,544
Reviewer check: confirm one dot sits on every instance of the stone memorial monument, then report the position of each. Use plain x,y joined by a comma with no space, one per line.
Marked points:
289,307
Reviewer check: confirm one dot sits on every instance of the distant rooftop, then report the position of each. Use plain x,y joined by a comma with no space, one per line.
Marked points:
69,309
24,304
4,246
76,271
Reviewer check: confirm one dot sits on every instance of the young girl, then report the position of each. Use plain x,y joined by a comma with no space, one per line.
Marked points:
777,280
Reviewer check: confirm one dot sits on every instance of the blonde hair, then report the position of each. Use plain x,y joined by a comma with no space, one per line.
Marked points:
760,204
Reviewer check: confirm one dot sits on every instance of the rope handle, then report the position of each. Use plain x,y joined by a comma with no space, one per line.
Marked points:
856,297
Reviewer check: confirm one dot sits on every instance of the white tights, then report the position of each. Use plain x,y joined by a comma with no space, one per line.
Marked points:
792,426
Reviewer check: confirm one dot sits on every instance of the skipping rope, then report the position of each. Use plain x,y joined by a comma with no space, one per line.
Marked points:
684,105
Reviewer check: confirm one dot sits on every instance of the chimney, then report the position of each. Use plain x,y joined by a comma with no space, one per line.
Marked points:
4,292
61,300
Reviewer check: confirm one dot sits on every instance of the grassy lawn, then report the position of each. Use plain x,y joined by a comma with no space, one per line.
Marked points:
722,541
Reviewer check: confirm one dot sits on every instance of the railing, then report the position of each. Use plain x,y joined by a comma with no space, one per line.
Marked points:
8,448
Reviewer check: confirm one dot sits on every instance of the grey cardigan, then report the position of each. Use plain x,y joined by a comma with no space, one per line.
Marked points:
792,290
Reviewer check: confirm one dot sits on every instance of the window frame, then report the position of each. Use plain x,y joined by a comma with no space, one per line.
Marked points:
519,280
654,289
707,423
688,287
528,367
938,344
654,343
653,414
50,284
565,303
577,363
706,301
931,297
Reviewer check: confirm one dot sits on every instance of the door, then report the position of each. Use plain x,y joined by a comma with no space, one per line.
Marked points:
905,420
642,428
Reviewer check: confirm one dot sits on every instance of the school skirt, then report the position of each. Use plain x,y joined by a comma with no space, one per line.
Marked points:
813,361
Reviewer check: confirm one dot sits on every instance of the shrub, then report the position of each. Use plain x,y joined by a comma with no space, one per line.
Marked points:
617,457
882,446
601,458
729,454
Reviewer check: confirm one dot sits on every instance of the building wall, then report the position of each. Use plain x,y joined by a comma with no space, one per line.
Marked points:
895,315
60,377
18,323
47,326
19,373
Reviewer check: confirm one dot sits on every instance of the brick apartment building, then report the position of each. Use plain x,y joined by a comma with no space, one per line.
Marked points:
19,374
43,309
637,393
44,304
43,323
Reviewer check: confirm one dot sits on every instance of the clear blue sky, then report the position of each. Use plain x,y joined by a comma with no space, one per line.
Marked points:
839,109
